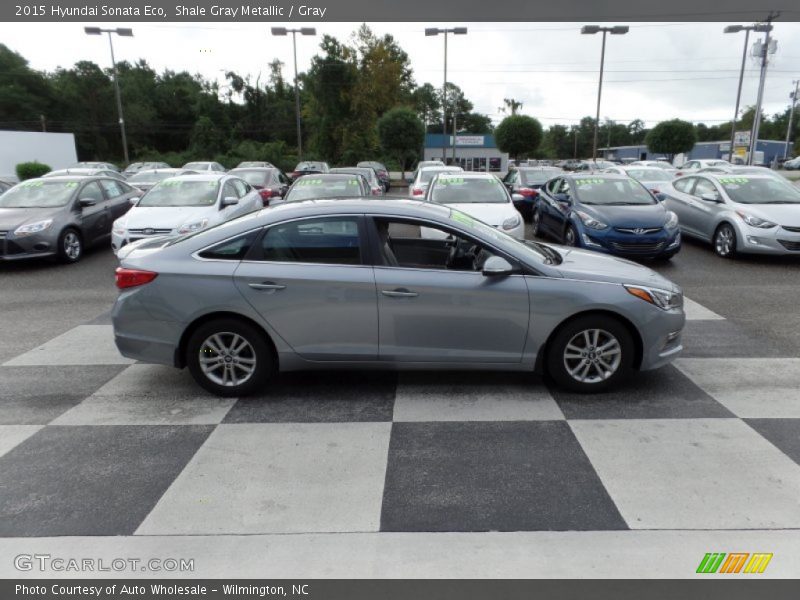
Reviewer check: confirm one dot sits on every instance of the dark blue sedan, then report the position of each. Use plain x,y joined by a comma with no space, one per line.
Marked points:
608,213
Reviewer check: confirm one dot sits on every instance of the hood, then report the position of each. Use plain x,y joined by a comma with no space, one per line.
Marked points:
492,214
782,214
164,217
595,266
648,215
11,218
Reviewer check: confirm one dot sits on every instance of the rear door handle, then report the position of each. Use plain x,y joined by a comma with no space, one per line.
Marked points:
399,293
267,285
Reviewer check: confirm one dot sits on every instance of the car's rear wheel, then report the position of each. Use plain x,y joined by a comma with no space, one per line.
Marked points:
725,241
229,357
70,246
570,236
591,354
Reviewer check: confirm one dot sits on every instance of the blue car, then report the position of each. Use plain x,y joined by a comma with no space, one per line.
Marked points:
608,213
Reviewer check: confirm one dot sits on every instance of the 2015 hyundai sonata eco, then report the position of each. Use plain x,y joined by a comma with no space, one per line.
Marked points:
353,284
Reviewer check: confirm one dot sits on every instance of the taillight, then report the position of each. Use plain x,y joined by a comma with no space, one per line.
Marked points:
417,192
128,278
265,193
528,192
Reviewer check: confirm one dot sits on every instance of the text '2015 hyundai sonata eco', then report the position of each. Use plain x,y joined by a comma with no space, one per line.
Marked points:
352,283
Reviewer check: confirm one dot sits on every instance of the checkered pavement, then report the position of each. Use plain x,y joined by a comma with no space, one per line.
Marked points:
93,444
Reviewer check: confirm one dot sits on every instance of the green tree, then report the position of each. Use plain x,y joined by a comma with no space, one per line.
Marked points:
427,102
518,135
671,138
475,123
511,106
401,134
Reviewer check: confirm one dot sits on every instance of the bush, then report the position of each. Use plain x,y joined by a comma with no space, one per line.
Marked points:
31,170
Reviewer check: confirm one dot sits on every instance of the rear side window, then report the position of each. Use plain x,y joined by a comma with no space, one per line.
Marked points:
330,241
684,185
234,249
112,188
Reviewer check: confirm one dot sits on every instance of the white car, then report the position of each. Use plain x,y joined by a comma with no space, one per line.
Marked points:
185,204
479,195
692,166
423,176
657,164
203,165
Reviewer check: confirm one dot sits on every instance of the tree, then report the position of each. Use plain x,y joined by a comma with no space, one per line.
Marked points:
475,123
510,106
671,138
519,134
401,134
427,102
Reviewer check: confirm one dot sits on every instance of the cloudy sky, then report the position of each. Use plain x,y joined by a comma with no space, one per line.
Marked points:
655,72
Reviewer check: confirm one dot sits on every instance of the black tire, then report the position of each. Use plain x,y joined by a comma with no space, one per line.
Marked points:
570,236
228,367
724,241
536,222
70,246
559,366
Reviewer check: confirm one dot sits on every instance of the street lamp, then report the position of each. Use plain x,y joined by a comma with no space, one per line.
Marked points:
124,32
294,32
591,30
758,28
430,31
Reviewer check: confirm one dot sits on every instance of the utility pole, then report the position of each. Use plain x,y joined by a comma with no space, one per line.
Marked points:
430,31
793,96
765,48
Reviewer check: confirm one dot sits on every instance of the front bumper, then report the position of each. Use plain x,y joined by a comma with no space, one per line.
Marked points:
37,245
662,339
777,240
628,245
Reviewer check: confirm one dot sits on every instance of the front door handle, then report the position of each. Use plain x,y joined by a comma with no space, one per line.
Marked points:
267,285
399,293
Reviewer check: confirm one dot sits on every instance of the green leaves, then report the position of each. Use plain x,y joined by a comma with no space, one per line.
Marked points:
518,134
671,137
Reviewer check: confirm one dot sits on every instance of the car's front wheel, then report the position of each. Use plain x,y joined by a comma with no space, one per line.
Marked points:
725,241
570,236
536,223
70,246
591,354
229,357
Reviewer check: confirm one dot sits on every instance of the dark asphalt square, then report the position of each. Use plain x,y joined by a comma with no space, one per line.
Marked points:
37,395
320,397
714,339
664,393
781,433
492,476
73,481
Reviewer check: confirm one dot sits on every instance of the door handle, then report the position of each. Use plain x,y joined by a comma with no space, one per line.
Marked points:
399,293
267,285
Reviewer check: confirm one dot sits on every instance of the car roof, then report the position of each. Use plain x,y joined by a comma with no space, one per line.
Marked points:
265,169
467,175
358,205
201,176
568,175
713,175
71,178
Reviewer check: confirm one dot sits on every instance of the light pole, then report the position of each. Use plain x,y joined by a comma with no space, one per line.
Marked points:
429,31
591,30
793,96
294,32
124,33
765,51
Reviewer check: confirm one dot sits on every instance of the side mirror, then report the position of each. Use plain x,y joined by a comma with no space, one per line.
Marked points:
709,197
84,202
661,196
134,201
517,197
229,201
497,266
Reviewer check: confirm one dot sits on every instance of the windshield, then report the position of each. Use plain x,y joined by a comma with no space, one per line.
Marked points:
428,174
369,174
148,176
253,177
746,190
538,176
603,191
39,194
196,166
468,190
180,192
649,174
310,187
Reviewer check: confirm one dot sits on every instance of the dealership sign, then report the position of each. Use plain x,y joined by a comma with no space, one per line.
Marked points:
468,140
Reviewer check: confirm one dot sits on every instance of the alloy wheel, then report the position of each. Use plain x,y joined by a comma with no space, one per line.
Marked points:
72,245
592,356
569,237
725,241
227,359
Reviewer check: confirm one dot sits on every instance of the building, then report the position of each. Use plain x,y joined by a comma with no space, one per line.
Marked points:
766,152
473,151
54,149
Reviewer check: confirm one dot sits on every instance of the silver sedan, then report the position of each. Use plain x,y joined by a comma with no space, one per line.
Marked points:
737,213
353,284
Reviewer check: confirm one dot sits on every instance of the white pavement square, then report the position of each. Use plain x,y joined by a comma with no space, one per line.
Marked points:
697,312
749,387
149,395
692,473
425,397
13,435
278,478
82,345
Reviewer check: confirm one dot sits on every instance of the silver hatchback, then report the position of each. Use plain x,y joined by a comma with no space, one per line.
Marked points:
325,284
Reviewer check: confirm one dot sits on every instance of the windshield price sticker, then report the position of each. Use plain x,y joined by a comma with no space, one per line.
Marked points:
308,181
34,184
589,181
735,180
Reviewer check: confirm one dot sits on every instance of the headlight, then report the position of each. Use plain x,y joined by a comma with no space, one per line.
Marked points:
511,222
32,228
755,221
672,220
590,221
192,227
118,227
661,298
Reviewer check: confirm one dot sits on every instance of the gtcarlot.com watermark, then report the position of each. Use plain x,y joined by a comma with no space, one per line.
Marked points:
46,563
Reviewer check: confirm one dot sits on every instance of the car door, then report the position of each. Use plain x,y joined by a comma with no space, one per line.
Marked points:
117,194
679,200
308,278
429,313
96,218
558,201
703,211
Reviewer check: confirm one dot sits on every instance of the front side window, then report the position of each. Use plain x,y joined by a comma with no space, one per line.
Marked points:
327,241
92,191
181,192
113,189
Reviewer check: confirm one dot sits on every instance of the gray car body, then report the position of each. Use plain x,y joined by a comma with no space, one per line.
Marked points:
331,316
700,218
93,222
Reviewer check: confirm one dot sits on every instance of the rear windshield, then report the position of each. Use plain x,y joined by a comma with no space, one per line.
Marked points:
179,192
654,174
468,190
537,176
253,177
310,187
428,174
